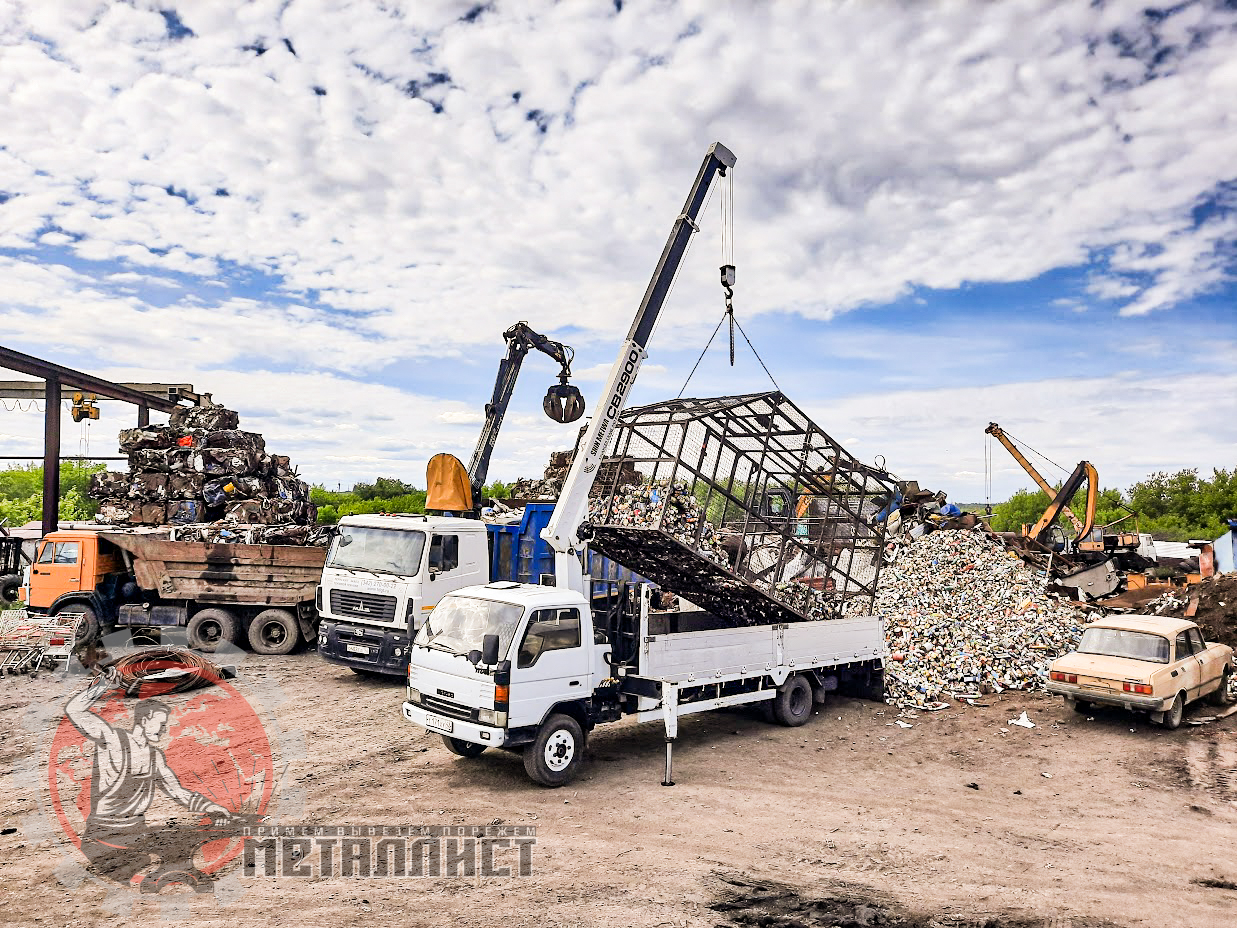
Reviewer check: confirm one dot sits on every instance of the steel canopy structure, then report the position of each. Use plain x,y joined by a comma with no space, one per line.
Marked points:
56,379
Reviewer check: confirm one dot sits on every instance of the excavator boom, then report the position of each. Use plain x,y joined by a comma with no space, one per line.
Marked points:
999,434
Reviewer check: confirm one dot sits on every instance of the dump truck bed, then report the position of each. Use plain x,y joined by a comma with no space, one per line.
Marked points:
222,573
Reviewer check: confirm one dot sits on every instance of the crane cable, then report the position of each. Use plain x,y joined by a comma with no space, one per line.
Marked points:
727,211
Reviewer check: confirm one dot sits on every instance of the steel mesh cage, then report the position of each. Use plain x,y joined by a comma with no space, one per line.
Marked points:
744,506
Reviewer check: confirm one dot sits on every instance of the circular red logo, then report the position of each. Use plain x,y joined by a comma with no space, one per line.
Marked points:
156,788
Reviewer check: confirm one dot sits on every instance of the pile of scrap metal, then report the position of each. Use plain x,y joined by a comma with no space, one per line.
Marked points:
201,468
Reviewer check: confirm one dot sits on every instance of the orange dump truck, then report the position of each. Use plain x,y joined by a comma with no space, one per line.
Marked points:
261,594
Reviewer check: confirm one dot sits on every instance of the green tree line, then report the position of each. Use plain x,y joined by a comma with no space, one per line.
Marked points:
1172,507
21,492
386,494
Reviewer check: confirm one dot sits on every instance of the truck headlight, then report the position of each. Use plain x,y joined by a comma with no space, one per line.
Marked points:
487,716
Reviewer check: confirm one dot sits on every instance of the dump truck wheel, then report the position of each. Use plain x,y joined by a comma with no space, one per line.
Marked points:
553,759
274,631
463,748
793,704
210,628
89,629
1222,696
9,585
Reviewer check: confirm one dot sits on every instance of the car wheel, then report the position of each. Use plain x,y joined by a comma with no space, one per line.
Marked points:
210,628
1223,696
274,631
463,748
1174,715
793,704
1081,706
553,759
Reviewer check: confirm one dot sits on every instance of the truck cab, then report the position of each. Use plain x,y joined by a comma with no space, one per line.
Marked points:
383,575
68,571
493,663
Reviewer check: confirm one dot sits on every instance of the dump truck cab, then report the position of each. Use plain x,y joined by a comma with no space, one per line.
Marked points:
69,572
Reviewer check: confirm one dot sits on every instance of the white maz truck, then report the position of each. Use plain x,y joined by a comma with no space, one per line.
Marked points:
533,669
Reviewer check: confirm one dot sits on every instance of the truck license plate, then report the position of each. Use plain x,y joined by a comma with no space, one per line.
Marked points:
439,723
357,649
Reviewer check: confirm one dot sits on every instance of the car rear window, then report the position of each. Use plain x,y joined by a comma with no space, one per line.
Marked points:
1119,642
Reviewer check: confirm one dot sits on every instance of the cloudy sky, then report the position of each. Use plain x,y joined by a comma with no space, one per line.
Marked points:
325,212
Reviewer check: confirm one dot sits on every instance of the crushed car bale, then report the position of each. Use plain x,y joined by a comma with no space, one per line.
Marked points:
965,617
201,468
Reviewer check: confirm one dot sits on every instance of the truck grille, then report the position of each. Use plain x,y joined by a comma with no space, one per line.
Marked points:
446,707
369,606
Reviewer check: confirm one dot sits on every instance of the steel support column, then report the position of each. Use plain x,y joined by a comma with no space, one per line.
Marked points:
51,456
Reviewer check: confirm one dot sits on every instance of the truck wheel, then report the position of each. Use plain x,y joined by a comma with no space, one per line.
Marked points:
553,759
210,628
274,631
89,629
9,585
793,704
463,748
1172,718
1222,696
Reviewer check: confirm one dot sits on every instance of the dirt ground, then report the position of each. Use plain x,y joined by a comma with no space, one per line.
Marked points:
961,819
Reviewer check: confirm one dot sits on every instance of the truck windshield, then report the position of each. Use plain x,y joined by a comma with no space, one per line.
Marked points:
384,550
1119,642
459,623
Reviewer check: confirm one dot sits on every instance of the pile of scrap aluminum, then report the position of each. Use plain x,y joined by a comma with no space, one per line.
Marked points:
965,617
744,507
917,512
201,468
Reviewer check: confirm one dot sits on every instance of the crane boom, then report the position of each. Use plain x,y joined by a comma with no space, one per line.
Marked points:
999,434
572,507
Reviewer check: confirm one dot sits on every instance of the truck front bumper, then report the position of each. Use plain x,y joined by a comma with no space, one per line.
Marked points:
1110,698
376,650
465,731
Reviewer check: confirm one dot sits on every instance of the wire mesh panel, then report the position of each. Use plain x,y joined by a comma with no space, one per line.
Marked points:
743,506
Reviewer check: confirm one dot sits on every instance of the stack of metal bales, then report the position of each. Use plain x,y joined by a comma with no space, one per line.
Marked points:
201,468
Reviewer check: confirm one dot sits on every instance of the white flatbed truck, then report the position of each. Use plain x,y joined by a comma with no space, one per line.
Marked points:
532,668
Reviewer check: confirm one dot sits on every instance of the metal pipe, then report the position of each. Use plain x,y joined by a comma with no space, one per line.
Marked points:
51,456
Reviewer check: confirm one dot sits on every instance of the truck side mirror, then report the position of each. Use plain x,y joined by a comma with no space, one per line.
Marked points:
489,650
474,657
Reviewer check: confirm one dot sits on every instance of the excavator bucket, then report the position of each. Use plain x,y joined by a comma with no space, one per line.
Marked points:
447,484
563,403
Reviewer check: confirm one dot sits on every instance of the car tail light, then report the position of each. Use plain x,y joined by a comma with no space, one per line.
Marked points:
1064,677
1142,688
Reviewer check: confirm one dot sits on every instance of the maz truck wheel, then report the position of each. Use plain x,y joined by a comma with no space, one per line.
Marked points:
793,704
210,628
274,631
463,748
553,759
